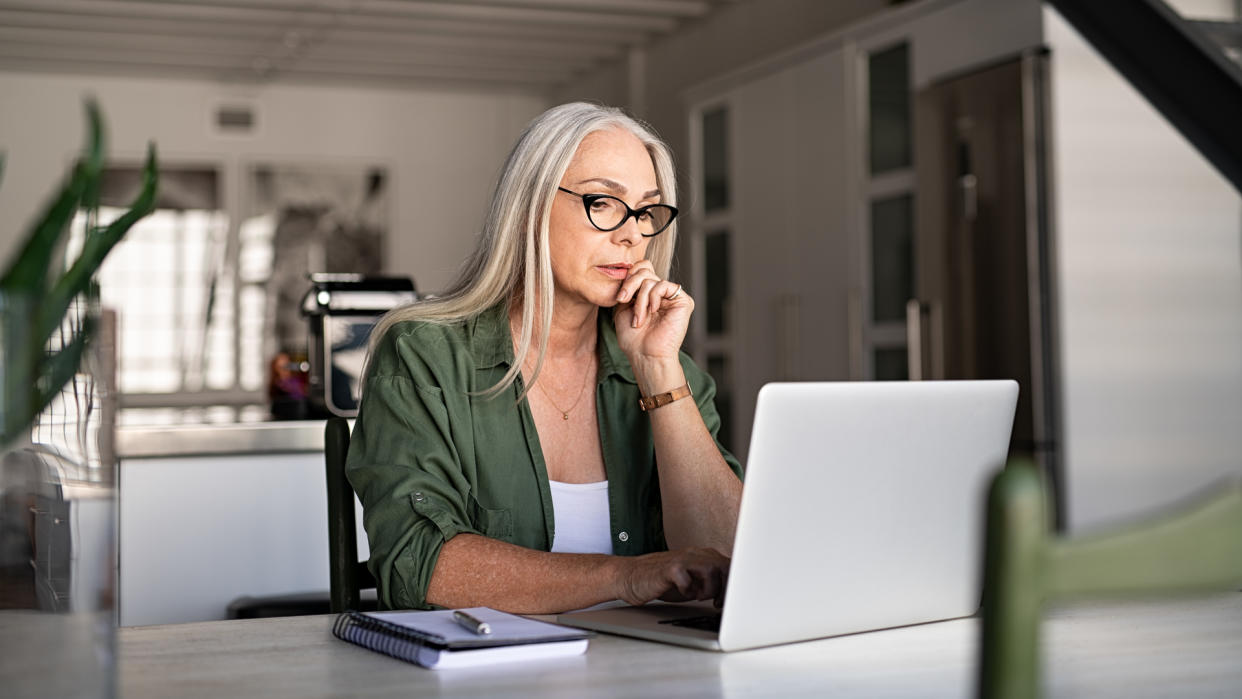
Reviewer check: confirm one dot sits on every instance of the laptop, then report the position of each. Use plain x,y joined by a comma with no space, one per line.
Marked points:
862,509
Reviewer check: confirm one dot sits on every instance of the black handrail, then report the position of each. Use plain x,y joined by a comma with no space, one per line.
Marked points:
1182,73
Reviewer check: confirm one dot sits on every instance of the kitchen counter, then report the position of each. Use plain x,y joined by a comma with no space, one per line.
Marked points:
195,433
239,438
214,508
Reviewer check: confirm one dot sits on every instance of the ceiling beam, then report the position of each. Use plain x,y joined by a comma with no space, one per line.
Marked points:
93,34
205,57
75,12
120,68
665,8
480,41
285,10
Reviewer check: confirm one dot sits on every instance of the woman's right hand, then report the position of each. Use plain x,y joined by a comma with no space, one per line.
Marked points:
674,576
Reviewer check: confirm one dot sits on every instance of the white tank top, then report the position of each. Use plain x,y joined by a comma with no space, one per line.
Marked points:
580,512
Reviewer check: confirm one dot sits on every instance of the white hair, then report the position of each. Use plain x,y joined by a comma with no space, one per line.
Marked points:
512,259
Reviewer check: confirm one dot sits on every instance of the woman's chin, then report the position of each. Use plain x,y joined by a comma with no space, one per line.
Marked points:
607,298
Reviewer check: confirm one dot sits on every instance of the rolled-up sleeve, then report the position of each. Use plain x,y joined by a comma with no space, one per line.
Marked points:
406,470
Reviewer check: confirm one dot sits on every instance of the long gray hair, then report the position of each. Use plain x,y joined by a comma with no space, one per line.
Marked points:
513,255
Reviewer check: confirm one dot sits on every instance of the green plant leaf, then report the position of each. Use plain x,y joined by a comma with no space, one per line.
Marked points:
59,368
30,267
95,150
96,247
43,375
19,364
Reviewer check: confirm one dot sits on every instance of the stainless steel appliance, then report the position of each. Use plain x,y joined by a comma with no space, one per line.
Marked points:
341,310
984,249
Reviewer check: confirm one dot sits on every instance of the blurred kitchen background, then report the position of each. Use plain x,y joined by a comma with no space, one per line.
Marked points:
871,191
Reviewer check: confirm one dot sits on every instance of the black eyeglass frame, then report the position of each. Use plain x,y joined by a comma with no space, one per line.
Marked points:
588,199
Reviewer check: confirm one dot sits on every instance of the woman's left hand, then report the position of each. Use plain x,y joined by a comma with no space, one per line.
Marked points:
652,315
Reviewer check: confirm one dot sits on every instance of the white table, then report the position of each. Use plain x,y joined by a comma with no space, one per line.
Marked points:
1185,648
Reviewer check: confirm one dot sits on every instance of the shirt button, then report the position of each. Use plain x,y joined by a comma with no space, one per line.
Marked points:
624,536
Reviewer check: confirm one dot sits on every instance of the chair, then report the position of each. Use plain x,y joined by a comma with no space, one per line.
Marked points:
1198,548
347,576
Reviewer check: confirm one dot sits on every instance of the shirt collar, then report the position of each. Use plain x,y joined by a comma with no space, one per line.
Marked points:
490,342
492,345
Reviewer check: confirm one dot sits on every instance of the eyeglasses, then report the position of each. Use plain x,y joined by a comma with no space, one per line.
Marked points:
609,213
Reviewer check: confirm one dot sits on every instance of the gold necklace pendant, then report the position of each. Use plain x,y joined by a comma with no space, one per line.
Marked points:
581,389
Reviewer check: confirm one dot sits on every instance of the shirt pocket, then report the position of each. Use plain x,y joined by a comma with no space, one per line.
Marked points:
495,524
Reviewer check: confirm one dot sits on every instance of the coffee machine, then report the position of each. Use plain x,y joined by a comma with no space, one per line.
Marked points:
341,310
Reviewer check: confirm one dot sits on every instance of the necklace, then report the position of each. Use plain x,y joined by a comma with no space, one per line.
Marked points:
565,412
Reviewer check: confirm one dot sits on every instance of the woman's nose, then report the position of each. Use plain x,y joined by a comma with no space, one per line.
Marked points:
628,233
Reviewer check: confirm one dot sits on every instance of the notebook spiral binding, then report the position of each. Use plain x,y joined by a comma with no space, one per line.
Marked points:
383,637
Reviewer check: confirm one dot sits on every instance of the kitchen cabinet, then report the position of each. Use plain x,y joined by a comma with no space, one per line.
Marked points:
198,529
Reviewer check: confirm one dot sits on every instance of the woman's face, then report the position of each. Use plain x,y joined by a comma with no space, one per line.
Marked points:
588,265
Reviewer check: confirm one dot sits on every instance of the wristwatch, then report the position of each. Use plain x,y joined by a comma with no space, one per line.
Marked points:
647,403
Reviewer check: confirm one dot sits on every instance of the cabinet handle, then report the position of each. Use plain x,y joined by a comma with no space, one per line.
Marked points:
914,339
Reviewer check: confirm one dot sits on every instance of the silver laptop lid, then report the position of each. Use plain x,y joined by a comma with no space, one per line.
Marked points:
863,507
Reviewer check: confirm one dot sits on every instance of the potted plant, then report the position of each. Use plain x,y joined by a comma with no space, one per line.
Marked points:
35,297
48,319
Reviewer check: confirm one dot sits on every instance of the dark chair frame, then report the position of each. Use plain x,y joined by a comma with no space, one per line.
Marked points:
348,576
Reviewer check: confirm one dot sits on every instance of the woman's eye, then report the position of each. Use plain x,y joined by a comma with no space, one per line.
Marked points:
644,215
600,205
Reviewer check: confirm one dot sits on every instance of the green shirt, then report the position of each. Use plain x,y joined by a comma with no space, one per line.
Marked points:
430,461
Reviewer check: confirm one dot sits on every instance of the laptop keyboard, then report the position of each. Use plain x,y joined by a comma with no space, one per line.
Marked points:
709,622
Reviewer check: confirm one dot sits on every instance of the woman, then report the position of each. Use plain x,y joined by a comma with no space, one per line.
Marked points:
486,474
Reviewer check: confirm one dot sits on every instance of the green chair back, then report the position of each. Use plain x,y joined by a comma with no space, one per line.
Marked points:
1197,548
347,576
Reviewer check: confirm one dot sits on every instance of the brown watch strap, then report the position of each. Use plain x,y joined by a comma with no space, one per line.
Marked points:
659,399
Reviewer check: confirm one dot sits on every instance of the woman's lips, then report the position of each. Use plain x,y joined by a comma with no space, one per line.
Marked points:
618,271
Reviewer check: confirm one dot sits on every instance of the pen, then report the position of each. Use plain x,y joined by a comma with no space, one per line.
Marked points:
475,625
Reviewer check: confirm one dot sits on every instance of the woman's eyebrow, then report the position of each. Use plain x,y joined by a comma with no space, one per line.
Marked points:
616,186
607,184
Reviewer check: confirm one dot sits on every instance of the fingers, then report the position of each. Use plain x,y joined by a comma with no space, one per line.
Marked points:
711,576
700,574
647,293
642,301
683,575
651,295
664,291
641,270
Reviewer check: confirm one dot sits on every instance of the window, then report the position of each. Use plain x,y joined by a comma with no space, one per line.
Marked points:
715,160
170,283
206,293
888,229
713,218
889,100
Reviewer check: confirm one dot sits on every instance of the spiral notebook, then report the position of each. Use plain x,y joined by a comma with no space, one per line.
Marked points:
434,640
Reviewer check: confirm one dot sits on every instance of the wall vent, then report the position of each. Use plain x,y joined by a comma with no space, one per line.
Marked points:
235,119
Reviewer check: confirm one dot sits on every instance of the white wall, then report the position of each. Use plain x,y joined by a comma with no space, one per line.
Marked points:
442,148
1150,276
731,38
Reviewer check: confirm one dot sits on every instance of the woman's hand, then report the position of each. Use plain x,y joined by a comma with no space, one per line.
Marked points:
674,576
652,315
